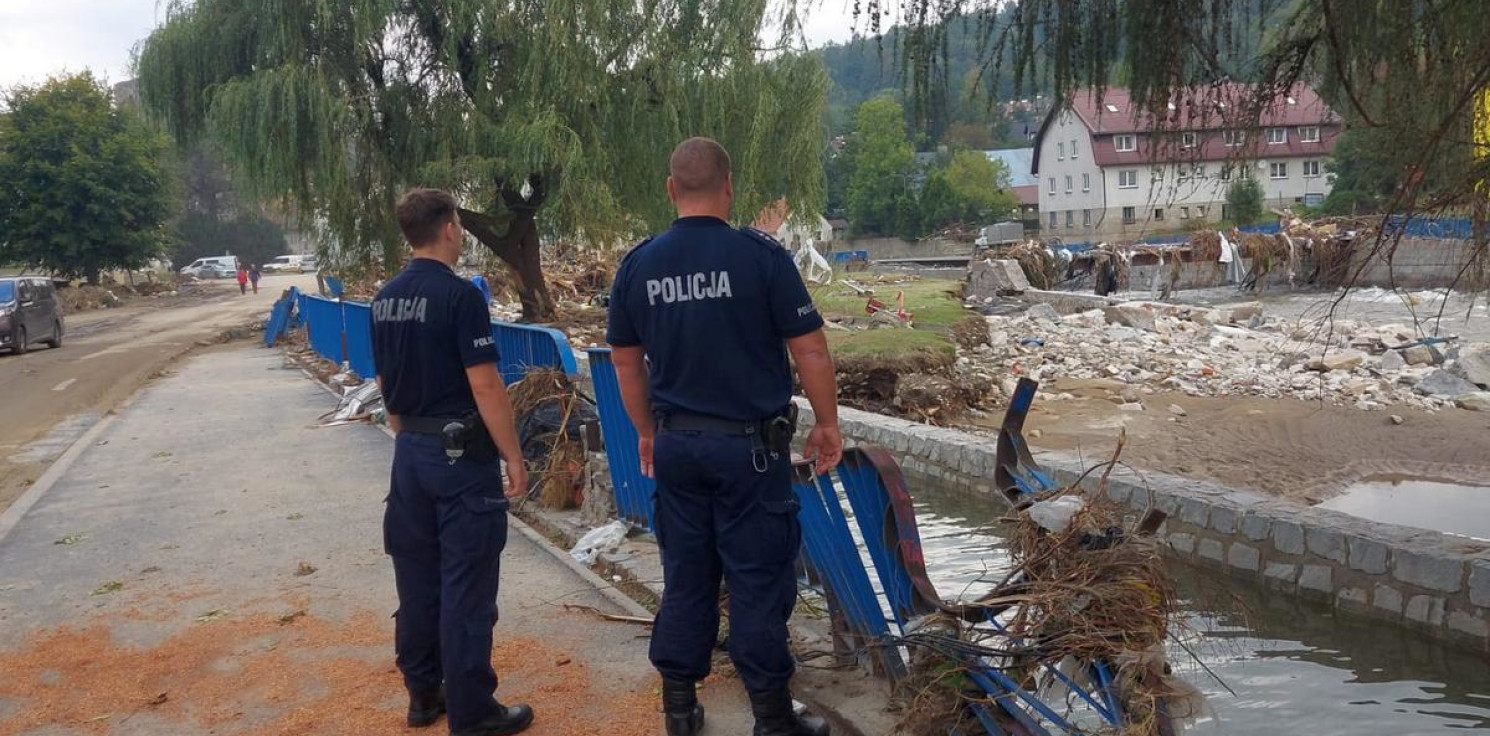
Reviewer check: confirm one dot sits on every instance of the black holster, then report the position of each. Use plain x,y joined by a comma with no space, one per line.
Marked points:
779,431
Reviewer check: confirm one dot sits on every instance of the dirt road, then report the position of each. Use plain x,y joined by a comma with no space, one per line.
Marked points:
50,397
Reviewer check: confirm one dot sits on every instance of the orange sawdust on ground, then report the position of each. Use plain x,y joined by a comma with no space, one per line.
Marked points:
252,675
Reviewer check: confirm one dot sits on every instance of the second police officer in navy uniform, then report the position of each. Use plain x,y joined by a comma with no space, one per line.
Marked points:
446,521
702,318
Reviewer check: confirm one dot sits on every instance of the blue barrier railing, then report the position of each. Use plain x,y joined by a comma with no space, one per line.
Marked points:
357,322
281,317
633,490
341,332
522,347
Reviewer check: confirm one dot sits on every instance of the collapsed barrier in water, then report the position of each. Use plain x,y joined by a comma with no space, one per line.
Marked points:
1069,642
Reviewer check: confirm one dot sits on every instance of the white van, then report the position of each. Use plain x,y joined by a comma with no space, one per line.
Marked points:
284,264
218,267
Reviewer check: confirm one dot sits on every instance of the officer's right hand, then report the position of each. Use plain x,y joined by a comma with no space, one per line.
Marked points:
825,445
517,479
644,451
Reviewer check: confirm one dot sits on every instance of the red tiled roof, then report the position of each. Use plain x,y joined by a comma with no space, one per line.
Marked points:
772,217
1029,195
1209,108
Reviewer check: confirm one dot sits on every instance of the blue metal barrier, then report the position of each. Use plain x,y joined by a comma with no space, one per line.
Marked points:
323,326
281,317
523,347
357,322
634,491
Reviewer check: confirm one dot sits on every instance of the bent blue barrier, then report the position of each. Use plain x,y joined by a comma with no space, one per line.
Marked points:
634,491
341,332
281,317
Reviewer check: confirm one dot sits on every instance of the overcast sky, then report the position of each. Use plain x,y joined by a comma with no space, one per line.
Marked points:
43,37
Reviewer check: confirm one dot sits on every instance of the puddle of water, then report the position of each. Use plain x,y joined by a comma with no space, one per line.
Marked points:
1295,667
1450,508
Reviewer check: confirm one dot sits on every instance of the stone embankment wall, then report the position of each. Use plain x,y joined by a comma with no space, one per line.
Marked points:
1437,583
896,248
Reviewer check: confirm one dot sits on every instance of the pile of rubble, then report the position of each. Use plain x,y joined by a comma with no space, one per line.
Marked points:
1237,351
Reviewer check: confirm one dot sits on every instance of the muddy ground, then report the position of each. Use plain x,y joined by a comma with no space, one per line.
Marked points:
50,397
1303,450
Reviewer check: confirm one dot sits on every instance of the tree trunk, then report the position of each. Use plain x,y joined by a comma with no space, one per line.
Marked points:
514,239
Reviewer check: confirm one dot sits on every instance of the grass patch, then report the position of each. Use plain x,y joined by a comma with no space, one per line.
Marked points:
928,300
924,347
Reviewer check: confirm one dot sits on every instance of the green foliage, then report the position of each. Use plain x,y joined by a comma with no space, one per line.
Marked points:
251,237
983,186
564,107
1244,200
879,197
82,186
1368,165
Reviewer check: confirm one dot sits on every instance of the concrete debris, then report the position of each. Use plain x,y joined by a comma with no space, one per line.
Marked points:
1178,410
1209,352
1473,364
996,278
1397,419
1419,355
1043,311
1474,401
1444,383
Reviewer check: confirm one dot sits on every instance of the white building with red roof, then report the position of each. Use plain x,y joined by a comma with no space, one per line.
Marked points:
1106,170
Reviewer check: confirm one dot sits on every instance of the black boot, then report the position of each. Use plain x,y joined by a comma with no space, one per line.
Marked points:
774,716
508,719
680,706
426,708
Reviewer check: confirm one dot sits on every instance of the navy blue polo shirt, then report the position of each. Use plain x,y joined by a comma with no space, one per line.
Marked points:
712,306
429,325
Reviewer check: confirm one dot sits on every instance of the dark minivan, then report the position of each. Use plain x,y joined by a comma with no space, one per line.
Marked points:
29,313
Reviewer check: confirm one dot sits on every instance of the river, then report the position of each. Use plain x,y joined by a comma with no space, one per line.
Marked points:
1294,667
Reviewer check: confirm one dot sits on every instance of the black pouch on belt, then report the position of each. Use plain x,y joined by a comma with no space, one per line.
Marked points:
468,439
781,429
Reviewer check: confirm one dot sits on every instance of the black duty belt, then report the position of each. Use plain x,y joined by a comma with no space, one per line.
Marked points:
705,423
425,425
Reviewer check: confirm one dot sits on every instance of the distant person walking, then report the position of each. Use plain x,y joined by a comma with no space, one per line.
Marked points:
254,274
243,280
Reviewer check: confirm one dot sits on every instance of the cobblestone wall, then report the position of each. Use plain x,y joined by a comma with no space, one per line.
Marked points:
1433,582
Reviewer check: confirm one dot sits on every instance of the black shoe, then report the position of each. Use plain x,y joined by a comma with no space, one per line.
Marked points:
680,706
508,719
425,709
776,716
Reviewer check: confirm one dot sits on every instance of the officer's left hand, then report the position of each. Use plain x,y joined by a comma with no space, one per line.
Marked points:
517,479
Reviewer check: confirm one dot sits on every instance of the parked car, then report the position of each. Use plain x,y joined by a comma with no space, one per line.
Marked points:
286,264
308,264
29,313
212,268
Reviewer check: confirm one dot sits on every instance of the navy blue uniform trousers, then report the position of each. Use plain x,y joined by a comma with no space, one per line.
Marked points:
717,515
445,527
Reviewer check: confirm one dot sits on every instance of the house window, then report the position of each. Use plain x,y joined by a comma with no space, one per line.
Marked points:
1070,218
1309,134
1052,185
1073,149
1199,171
1086,218
1226,172
1052,219
1184,172
1278,171
1125,143
1060,152
1129,216
1159,214
1086,182
1200,211
1184,213
1068,183
1187,140
1277,136
1128,179
1234,138
1311,169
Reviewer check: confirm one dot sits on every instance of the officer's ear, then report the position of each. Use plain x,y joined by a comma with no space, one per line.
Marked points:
729,185
672,190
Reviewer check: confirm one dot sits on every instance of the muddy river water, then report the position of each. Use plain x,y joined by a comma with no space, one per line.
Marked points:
1289,667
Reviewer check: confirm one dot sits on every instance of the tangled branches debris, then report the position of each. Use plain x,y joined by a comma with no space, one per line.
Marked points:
550,412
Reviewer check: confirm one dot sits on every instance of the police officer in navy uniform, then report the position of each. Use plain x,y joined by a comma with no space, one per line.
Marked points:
702,318
446,521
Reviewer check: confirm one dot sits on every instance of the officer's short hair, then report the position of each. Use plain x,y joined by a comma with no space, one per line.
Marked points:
699,165
422,212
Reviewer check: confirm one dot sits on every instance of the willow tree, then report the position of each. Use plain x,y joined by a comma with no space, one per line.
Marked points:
1412,72
544,116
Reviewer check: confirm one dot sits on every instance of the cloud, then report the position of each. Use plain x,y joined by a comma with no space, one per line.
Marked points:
39,38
